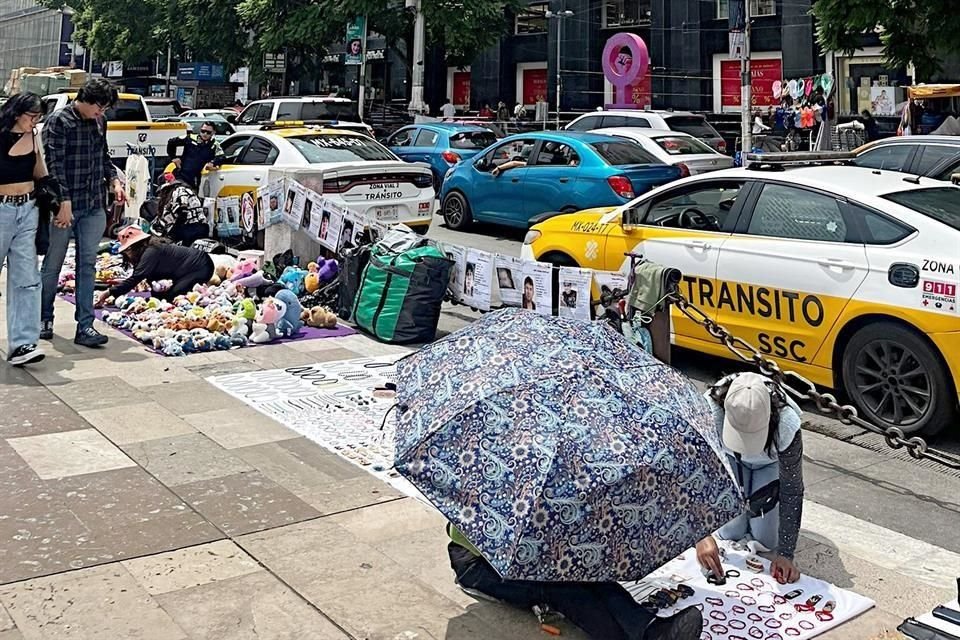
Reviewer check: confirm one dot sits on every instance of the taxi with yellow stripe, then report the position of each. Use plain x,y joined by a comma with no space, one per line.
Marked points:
846,275
350,168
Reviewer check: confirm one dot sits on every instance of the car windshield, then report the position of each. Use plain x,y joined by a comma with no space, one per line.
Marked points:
694,125
940,203
220,127
677,146
472,139
162,109
317,148
329,111
127,111
623,153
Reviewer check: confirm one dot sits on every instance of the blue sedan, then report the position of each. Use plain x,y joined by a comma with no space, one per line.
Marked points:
440,144
532,173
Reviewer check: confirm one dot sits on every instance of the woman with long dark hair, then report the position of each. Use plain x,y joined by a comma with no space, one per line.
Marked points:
21,164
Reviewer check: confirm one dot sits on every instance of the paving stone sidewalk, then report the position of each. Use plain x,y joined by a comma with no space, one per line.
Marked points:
139,502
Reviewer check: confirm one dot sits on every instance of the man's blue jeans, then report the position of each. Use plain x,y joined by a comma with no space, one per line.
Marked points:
18,237
88,227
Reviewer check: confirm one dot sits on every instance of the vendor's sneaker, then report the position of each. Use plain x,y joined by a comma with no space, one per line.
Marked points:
90,337
685,625
25,354
46,330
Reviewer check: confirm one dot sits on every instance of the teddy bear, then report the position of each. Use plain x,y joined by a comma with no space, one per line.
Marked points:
319,317
265,325
290,324
223,265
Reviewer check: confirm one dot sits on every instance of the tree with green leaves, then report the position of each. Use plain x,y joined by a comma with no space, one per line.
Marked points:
920,32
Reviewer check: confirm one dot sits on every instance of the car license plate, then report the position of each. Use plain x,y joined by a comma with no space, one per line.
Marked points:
386,214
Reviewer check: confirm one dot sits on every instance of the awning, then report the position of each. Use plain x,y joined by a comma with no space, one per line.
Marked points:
935,91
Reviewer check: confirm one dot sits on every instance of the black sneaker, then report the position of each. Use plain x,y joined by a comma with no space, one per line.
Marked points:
90,337
46,330
25,354
685,625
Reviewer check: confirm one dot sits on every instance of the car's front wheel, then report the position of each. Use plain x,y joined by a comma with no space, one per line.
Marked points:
456,211
897,379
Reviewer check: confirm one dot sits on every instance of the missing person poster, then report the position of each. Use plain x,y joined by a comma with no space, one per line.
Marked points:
477,279
459,257
351,232
228,210
507,278
210,209
536,288
309,221
277,196
331,222
293,208
575,287
263,206
609,280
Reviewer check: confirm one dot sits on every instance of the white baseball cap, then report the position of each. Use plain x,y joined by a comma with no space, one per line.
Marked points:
746,414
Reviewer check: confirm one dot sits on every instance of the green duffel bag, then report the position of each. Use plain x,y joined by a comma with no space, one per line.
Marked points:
401,294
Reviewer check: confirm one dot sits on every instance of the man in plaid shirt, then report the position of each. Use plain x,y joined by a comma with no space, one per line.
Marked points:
78,158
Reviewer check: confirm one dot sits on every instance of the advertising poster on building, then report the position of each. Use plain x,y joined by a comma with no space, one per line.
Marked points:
536,287
534,85
575,285
883,101
763,73
459,257
478,279
331,223
356,37
508,272
461,88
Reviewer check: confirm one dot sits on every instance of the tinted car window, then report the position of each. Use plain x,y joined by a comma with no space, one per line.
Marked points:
946,171
289,111
714,200
694,125
260,152
330,111
619,154
940,203
426,138
249,115
328,148
233,147
892,157
556,154
877,228
932,155
127,111
788,212
472,140
163,109
677,146
585,124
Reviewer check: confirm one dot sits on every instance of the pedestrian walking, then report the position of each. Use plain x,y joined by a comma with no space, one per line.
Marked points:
448,111
503,113
199,154
21,166
78,158
760,430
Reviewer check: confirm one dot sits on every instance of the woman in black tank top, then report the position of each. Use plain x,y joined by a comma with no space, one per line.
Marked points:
21,163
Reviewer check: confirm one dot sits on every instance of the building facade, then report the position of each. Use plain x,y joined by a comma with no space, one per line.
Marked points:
33,36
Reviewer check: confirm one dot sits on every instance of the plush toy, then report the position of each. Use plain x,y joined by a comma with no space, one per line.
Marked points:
328,270
311,282
290,324
265,326
319,317
293,278
223,265
253,281
244,269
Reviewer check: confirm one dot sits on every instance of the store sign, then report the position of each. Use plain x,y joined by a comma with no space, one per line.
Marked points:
461,87
356,38
763,75
534,86
200,71
274,62
625,58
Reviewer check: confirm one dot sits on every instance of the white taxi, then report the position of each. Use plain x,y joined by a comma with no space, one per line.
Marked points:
846,275
354,170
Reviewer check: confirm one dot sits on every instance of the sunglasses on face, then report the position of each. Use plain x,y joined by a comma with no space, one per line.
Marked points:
206,132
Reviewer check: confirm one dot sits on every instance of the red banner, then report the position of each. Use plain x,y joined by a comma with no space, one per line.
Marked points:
763,73
642,93
534,85
461,87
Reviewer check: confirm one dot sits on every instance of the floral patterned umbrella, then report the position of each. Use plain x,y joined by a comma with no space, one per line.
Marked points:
559,450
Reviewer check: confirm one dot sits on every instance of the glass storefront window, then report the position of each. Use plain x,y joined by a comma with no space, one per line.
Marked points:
625,13
757,8
533,19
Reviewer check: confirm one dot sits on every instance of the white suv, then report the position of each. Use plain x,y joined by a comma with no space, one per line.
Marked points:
334,113
685,121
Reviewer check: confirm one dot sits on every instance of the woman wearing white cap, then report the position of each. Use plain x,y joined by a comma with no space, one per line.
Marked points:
760,429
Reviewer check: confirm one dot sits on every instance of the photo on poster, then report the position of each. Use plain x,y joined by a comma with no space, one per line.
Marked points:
306,221
210,209
228,223
347,237
278,198
575,285
330,223
536,292
293,208
478,279
508,270
248,213
607,281
459,257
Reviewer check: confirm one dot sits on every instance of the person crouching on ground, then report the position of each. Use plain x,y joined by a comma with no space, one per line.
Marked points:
181,216
760,430
153,260
603,610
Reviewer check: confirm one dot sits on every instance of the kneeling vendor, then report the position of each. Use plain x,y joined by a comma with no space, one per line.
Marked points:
153,260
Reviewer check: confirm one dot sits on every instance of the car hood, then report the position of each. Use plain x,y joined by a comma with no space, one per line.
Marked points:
566,221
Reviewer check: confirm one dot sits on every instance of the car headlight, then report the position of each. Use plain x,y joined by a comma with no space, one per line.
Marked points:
532,236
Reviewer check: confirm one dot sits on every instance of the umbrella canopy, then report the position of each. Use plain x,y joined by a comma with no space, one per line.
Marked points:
559,450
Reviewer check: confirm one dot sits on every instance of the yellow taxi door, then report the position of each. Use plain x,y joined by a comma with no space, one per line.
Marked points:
683,228
243,170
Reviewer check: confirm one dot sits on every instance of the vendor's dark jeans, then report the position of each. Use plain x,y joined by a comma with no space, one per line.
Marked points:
184,284
187,233
604,610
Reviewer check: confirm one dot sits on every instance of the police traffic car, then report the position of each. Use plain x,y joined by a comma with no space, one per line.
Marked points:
846,275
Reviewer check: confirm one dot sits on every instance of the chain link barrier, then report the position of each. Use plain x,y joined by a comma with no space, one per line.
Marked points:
802,389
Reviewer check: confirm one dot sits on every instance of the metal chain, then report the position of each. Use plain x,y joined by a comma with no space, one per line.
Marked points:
802,389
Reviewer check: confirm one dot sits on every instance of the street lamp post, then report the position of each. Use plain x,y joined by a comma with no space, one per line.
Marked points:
559,15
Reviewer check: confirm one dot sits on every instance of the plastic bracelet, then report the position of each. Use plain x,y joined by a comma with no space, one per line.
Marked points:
719,629
791,631
773,635
755,632
786,615
743,586
737,624
757,582
754,564
716,614
805,624
717,602
767,608
772,623
754,617
739,609
732,594
748,600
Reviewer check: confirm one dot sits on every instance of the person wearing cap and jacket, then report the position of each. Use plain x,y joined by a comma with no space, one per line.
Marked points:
153,260
760,430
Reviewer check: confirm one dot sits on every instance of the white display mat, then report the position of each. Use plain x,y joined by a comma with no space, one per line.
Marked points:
745,607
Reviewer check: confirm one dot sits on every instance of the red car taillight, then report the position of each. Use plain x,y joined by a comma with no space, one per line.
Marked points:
336,186
722,146
423,180
621,186
450,157
684,170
